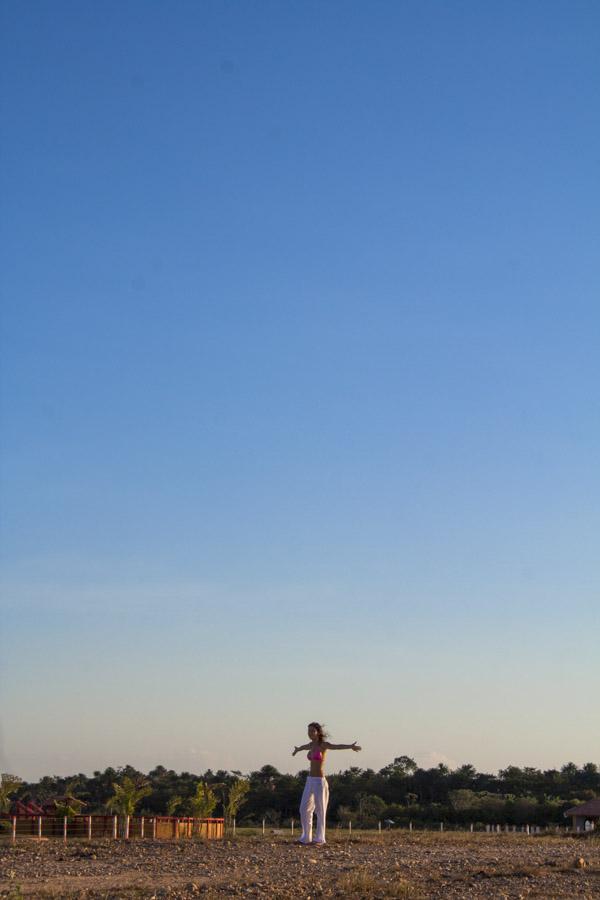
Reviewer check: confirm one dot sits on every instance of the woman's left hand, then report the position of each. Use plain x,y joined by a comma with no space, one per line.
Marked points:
355,747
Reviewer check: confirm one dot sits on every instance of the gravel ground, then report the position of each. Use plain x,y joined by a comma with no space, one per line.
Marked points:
393,865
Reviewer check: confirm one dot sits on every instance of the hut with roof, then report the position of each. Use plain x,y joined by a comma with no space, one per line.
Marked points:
586,816
26,808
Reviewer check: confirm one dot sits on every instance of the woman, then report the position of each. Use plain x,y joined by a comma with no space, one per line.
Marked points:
316,790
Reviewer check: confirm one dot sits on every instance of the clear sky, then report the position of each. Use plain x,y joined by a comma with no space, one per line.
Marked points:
300,379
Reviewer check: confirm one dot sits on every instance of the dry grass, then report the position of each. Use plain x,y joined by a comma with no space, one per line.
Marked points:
361,884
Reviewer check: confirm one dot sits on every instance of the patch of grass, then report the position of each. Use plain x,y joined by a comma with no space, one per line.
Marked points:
127,892
585,870
360,883
503,872
15,893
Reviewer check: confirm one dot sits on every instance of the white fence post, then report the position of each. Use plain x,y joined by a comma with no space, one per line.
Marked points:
441,826
154,828
349,827
471,828
379,827
89,828
14,829
142,827
115,827
39,826
292,827
263,827
65,829
410,826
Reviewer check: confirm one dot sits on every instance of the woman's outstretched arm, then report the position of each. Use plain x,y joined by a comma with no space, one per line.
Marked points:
303,747
354,746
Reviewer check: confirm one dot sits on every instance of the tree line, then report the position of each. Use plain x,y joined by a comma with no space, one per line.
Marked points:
401,792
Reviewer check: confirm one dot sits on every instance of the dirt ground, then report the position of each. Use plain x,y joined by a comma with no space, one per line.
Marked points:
424,865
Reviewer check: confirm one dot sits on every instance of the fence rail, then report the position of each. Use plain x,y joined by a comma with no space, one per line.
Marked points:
115,827
94,827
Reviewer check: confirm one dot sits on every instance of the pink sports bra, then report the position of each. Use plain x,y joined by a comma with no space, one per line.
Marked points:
314,755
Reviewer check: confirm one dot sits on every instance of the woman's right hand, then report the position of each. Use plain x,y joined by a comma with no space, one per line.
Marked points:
295,750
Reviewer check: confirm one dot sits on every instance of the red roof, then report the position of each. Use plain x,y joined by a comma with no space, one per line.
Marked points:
20,808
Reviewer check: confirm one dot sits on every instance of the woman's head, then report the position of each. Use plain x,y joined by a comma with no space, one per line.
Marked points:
316,732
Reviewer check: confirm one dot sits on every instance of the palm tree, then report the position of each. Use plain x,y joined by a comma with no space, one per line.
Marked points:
173,804
127,795
235,798
204,800
68,806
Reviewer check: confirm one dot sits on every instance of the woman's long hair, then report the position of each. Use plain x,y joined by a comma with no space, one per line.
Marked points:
323,735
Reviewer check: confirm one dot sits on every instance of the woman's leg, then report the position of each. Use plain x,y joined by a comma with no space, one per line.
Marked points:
321,801
307,807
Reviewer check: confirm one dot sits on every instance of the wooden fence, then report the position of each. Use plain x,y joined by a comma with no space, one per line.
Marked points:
115,827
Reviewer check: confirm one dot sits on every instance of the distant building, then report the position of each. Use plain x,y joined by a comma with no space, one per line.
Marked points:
585,813
44,808
26,808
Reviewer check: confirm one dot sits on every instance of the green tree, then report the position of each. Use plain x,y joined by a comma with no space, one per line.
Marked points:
370,809
589,777
402,767
464,800
524,810
173,804
267,777
345,814
204,801
128,794
69,806
492,808
463,778
8,785
235,797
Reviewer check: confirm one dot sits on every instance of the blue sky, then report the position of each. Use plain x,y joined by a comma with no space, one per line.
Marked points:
299,382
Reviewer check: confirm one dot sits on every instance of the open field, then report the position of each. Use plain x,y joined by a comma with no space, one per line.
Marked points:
394,865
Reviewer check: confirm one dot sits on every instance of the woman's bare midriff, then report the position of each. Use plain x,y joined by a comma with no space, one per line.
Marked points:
316,767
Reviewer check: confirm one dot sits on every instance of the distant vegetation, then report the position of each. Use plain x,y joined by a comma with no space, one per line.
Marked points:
401,792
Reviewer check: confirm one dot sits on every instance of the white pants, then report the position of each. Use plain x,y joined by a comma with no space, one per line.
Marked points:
314,799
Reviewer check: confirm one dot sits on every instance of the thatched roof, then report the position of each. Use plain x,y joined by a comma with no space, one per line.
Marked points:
591,808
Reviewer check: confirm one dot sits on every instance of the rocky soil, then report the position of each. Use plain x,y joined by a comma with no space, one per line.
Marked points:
400,865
